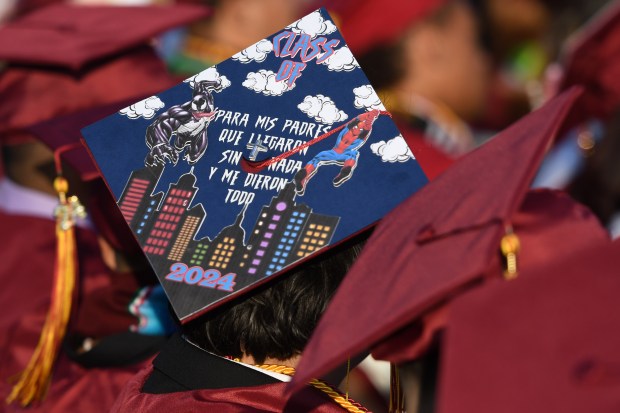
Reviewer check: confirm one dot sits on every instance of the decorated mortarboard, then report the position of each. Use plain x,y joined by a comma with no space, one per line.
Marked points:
547,342
591,58
441,241
71,37
102,41
255,165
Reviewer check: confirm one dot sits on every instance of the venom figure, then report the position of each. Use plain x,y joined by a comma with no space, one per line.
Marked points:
188,121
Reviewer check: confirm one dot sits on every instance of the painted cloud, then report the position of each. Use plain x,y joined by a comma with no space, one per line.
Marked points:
394,150
208,74
341,60
144,109
366,97
256,53
313,24
264,81
322,109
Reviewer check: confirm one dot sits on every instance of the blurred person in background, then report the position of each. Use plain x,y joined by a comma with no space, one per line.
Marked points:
426,61
233,26
514,33
583,160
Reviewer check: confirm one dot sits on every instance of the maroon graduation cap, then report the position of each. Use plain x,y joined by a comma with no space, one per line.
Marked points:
445,240
71,37
62,59
591,58
546,343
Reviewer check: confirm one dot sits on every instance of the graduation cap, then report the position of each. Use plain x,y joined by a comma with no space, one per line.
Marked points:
547,342
89,56
590,58
213,231
445,240
71,37
369,23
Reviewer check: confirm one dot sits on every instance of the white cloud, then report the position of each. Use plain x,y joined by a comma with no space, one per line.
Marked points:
366,97
394,150
313,24
144,109
322,109
210,74
342,59
257,52
264,81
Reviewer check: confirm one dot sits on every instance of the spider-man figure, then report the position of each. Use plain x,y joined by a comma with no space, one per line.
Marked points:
344,153
188,121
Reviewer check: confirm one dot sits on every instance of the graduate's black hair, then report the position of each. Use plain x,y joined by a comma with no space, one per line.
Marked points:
277,321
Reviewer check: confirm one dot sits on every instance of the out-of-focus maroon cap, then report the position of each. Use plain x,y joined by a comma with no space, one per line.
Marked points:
71,37
62,59
591,58
63,132
440,242
368,23
546,343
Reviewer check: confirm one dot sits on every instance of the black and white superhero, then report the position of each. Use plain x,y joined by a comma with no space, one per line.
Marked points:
189,122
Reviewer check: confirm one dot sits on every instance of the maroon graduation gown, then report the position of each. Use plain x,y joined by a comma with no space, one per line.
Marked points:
26,272
184,378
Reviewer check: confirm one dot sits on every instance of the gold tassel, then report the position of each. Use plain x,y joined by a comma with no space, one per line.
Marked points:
34,380
397,396
510,247
346,403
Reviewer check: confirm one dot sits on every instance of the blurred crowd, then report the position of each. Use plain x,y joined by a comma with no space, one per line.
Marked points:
453,73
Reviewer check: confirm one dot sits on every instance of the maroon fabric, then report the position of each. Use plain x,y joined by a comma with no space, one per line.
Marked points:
65,130
75,389
34,94
266,398
71,36
27,256
438,242
28,253
544,218
591,59
547,342
432,160
369,23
